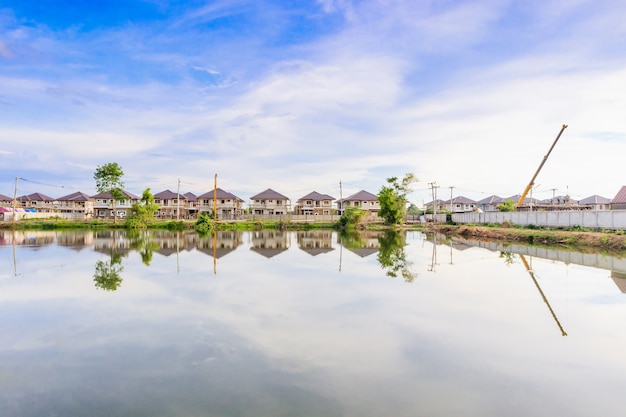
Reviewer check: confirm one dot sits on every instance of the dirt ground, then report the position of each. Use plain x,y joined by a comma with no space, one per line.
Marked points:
615,240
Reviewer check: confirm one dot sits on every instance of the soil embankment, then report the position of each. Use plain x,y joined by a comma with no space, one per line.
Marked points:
615,241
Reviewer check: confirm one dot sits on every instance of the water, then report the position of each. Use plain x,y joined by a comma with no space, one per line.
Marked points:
305,324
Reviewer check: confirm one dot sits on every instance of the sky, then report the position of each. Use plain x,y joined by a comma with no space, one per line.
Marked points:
333,96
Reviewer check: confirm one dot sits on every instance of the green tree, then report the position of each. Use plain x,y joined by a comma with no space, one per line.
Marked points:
109,180
350,217
142,211
508,205
392,199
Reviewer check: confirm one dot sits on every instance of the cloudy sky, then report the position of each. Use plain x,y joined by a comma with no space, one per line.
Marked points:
300,96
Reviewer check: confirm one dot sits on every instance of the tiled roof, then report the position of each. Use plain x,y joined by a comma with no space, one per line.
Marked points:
190,196
620,198
77,196
5,198
595,199
460,200
35,197
492,199
108,195
269,194
361,196
221,194
315,196
168,195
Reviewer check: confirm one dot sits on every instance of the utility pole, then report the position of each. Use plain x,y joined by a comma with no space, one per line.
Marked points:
341,197
215,197
15,199
178,201
434,192
451,188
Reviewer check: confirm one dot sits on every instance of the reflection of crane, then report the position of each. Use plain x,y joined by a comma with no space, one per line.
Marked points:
545,158
532,275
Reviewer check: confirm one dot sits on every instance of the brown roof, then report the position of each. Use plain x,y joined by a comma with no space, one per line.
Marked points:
361,196
269,194
5,198
315,196
190,196
35,197
108,195
221,194
167,194
77,196
620,198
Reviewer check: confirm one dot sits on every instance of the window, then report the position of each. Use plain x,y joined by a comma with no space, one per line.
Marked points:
102,213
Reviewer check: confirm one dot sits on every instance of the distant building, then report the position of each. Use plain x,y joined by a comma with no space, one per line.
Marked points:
363,200
314,204
270,202
619,201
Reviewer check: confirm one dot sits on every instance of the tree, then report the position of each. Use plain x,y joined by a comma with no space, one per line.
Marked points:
142,212
392,199
508,205
109,180
392,257
350,217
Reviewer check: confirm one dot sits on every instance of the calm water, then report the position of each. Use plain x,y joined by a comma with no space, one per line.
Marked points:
306,324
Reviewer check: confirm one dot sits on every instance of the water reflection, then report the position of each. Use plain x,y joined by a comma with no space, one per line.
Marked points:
392,256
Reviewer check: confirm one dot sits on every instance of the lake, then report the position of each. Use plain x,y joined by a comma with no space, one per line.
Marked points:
308,323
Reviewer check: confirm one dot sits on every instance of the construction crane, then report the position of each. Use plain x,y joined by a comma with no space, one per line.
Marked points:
545,158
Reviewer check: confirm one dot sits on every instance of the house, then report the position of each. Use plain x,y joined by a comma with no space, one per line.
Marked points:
103,204
41,203
363,200
171,205
619,201
595,202
490,203
270,202
5,201
191,204
459,204
438,205
226,205
314,204
77,205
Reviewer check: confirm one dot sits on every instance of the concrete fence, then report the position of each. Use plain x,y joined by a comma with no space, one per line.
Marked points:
611,219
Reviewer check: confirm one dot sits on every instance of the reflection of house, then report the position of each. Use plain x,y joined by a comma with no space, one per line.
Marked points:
490,203
620,280
171,205
314,204
270,202
222,244
227,205
111,242
76,239
363,200
315,242
103,205
77,205
619,201
363,243
269,242
40,202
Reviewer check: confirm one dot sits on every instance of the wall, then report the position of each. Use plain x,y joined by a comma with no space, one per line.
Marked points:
611,219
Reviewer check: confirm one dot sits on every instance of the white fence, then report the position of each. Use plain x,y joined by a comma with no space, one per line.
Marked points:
610,219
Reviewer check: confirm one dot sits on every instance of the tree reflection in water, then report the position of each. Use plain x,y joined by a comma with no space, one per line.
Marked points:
392,255
107,275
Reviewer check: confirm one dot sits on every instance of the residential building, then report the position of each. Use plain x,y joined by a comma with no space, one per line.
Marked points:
192,206
490,203
227,205
314,204
595,202
76,205
270,202
41,203
5,201
459,204
619,201
103,204
171,205
363,200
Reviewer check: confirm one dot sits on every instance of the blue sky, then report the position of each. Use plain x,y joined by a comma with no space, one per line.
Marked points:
299,96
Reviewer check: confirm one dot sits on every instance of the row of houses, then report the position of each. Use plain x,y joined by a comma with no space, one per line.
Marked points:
462,204
188,206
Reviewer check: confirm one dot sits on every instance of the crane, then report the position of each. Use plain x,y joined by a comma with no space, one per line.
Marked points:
545,158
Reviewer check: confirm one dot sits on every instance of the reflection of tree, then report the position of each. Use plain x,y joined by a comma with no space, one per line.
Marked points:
351,239
509,257
107,275
392,256
145,244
